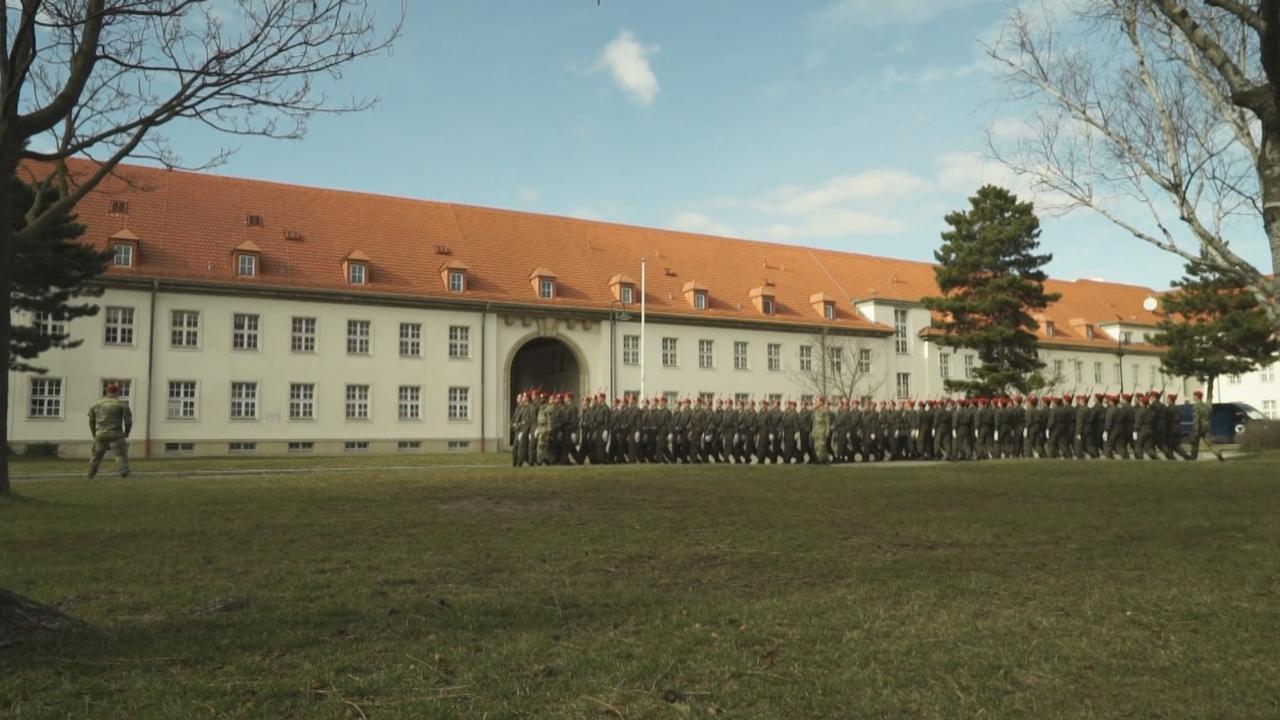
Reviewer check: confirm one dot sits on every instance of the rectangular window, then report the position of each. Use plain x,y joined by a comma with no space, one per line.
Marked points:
900,344
1269,409
47,326
1049,328
707,398
242,448
119,326
626,295
409,445
630,349
182,400
1115,373
806,399
669,355
246,265
122,255
631,394
1097,372
356,446
1079,365
969,361
546,288
459,341
358,337
1136,375
459,403
410,340
179,448
355,273
244,400
1269,374
184,329
829,311
944,365
1057,370
904,386
835,359
302,446
739,355
774,397
766,305
741,398
699,301
1126,337
125,385
244,332
357,402
706,354
458,444
302,401
864,360
773,356
46,398
410,402
302,336
457,281
671,396
806,358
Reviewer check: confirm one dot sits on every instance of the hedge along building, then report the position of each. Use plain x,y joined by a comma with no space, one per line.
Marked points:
247,316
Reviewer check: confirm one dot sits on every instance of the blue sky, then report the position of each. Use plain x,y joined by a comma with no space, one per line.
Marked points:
849,124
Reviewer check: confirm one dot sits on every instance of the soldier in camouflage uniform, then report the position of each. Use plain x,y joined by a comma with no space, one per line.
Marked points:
1080,427
110,421
819,432
1202,429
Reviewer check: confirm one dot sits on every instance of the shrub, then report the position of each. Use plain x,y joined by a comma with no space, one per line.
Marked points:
41,450
1261,435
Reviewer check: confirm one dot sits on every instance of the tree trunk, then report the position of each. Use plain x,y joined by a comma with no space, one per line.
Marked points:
1269,185
8,167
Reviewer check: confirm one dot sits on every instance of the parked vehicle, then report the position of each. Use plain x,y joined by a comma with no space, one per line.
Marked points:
1228,421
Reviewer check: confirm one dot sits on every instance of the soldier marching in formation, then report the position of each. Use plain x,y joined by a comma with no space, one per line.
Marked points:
551,429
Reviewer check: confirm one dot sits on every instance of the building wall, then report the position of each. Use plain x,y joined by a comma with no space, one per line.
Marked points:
495,336
1260,388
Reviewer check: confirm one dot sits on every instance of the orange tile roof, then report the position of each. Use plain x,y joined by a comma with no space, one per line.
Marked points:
187,222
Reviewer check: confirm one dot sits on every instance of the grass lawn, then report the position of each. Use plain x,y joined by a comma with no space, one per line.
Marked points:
1008,589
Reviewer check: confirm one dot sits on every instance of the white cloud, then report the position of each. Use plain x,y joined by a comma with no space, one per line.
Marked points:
697,222
835,223
870,185
628,62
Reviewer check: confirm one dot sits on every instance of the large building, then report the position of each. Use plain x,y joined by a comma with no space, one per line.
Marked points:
244,316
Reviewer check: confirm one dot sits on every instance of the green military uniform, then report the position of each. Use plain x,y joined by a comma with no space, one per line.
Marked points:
110,421
1202,430
818,433
543,426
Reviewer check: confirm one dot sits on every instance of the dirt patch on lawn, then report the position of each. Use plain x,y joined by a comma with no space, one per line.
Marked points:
482,504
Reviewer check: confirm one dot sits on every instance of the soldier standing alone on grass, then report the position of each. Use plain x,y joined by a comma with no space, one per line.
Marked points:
110,421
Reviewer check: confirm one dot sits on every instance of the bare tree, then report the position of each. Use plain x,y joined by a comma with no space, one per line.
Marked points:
838,367
100,78
1168,108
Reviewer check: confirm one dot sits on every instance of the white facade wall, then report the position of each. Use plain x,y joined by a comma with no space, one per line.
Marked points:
497,334
1260,388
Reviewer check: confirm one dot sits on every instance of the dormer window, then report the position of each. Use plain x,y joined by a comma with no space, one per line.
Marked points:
122,254
1088,331
124,249
1049,329
696,295
355,268
246,259
824,304
623,289
762,298
544,283
454,275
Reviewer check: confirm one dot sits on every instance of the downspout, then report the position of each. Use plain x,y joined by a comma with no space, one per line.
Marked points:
151,362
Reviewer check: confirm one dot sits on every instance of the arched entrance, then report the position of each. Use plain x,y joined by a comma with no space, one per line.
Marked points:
545,363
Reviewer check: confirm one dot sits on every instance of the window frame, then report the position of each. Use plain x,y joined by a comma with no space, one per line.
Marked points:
357,273
299,401
453,404
128,255
364,403
706,354
249,271
118,325
741,355
412,404
459,342
245,406
250,337
414,341
670,352
773,357
193,400
57,401
901,332
296,334
355,338
460,286
631,356
806,358
185,330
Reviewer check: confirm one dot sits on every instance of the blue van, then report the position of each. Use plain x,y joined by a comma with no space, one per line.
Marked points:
1228,421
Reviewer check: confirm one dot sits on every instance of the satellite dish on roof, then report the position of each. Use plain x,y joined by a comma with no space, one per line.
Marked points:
1150,304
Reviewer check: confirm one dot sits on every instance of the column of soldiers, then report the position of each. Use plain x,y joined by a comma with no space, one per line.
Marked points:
552,429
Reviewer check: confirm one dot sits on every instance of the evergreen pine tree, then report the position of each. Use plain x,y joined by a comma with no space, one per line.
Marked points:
991,280
1214,327
50,270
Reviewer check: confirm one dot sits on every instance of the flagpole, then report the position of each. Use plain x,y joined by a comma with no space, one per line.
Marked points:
643,280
